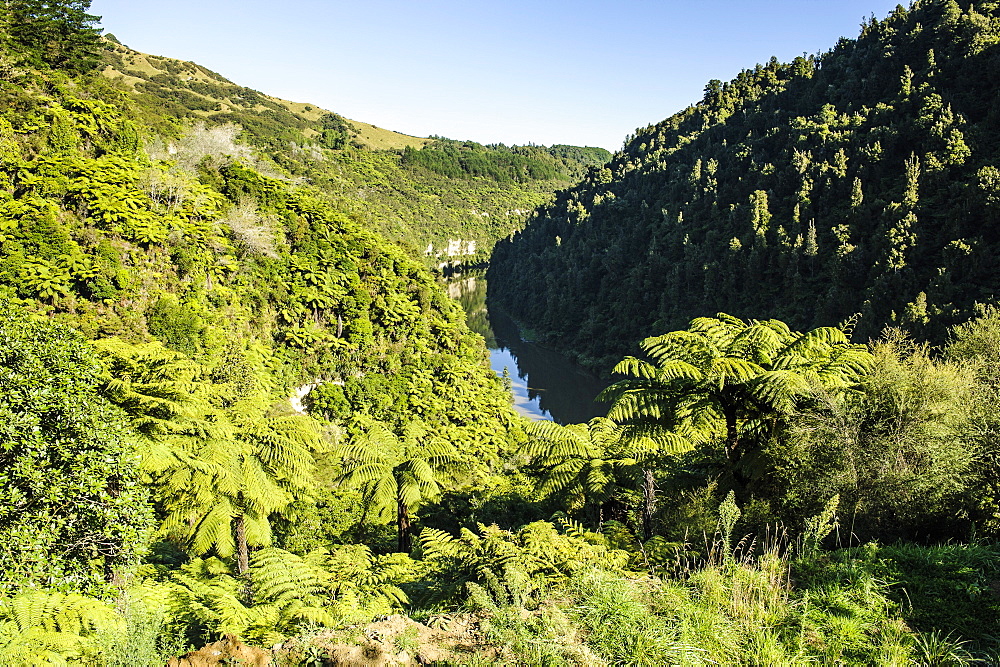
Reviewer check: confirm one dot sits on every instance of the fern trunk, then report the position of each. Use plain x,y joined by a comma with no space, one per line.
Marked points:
733,453
242,550
403,527
648,502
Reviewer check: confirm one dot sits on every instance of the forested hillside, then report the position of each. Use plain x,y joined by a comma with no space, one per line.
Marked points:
160,305
860,180
418,192
239,424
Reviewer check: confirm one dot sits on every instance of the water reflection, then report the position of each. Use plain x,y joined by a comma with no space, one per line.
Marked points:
545,384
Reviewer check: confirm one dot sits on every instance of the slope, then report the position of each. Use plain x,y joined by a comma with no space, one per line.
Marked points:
861,180
206,249
360,169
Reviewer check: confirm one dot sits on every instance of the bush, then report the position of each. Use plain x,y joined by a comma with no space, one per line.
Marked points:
72,513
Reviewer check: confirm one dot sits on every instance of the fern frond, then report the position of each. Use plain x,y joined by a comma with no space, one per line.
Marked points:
437,544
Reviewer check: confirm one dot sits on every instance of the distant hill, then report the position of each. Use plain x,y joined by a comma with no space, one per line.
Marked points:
418,192
184,89
861,180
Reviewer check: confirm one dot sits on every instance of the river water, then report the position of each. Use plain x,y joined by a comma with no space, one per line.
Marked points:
545,384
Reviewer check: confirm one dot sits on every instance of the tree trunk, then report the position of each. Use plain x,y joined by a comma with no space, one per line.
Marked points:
403,527
732,435
648,502
733,453
242,550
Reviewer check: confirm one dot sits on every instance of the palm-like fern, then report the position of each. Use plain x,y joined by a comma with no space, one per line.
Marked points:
158,390
581,462
287,592
586,463
44,628
538,550
222,461
731,379
239,469
282,594
396,473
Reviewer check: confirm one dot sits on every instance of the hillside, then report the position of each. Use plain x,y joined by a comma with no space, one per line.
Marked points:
429,200
239,425
211,286
861,181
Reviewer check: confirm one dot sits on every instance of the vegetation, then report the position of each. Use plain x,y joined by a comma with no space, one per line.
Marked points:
231,410
444,200
59,34
859,180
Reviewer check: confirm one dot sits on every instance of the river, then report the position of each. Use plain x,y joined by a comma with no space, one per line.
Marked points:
545,384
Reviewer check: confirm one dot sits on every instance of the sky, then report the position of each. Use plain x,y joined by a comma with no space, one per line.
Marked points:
581,72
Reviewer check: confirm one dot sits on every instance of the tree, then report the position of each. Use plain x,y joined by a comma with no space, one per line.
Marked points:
579,462
238,466
72,511
396,473
59,34
900,453
586,463
976,345
223,461
730,380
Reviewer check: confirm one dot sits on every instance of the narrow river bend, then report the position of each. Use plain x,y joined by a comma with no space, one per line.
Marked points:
545,384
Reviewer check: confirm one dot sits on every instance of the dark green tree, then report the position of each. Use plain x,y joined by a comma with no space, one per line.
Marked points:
58,34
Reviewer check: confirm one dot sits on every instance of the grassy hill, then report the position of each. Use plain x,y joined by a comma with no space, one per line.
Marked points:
185,89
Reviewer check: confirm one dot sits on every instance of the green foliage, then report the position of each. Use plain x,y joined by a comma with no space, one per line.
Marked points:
336,131
945,590
281,594
730,380
587,465
620,625
448,202
42,627
72,510
396,473
897,452
177,325
259,283
58,34
467,159
976,344
808,191
577,462
233,469
216,284
537,550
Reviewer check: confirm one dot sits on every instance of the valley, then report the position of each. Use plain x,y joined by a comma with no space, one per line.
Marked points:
284,387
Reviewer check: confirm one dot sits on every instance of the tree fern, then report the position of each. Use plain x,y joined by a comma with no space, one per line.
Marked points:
395,473
42,627
585,464
722,376
233,467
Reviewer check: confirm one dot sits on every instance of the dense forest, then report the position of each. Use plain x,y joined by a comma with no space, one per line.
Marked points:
861,181
241,425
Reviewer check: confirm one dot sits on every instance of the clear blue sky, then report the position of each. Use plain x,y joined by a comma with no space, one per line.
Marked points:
583,72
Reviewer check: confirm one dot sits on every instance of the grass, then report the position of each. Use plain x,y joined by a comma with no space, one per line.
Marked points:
896,605
378,138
